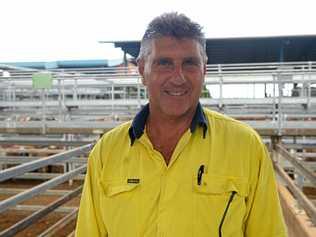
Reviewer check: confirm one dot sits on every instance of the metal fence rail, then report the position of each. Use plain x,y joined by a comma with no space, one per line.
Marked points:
110,72
4,205
21,225
40,142
33,165
294,161
23,159
306,204
60,224
21,170
83,96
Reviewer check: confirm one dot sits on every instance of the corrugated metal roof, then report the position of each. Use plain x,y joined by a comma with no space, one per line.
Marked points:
249,50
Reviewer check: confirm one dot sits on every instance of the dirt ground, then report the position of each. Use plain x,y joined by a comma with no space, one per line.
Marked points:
10,217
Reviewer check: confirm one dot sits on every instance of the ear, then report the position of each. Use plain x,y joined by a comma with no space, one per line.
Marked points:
141,70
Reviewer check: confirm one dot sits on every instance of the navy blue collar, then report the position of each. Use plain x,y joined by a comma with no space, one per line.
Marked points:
138,125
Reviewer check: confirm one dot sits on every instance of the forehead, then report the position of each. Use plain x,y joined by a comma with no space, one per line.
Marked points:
173,47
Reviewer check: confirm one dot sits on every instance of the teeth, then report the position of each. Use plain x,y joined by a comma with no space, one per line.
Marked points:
175,93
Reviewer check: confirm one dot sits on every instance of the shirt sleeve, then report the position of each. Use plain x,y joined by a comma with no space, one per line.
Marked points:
265,216
89,222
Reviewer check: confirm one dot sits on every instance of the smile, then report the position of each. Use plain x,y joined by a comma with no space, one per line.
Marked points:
176,93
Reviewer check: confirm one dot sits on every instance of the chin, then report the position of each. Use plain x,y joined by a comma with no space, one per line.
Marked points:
176,111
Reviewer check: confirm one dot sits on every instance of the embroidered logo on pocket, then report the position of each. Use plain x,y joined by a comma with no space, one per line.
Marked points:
133,181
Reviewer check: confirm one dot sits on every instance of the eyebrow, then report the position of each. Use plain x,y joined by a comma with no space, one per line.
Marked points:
162,58
190,58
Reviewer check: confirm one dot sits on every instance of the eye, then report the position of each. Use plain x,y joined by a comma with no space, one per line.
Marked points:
164,62
191,64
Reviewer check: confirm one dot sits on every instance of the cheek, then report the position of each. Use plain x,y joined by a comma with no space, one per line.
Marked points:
196,81
155,81
152,86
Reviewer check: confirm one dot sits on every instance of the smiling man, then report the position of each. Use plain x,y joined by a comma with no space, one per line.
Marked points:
177,169
173,71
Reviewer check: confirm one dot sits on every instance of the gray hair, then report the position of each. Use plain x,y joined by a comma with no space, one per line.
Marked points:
174,25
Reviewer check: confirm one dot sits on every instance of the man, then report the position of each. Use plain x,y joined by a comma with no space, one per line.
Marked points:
178,170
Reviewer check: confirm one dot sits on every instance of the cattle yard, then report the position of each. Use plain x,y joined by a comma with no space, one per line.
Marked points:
47,131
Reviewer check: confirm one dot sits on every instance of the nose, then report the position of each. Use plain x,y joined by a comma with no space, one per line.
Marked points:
178,77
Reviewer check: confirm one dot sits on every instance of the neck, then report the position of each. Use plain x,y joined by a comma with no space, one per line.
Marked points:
165,134
168,124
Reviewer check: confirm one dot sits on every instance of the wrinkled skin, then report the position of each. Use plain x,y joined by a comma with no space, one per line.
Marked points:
173,73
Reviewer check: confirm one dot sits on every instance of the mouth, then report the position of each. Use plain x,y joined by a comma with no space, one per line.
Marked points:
176,93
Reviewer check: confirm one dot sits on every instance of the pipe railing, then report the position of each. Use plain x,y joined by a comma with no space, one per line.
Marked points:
12,201
305,203
36,164
109,89
21,225
297,165
99,73
50,231
223,74
41,142
17,171
22,159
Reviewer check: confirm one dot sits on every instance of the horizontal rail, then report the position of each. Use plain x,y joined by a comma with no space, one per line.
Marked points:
306,155
135,103
33,165
60,224
42,151
33,208
21,225
298,166
26,159
300,145
45,176
264,128
4,205
14,191
77,72
245,77
47,142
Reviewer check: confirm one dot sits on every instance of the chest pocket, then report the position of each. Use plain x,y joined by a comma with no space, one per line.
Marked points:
220,204
111,190
120,207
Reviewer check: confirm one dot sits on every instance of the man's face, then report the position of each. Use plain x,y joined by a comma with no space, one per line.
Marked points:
173,73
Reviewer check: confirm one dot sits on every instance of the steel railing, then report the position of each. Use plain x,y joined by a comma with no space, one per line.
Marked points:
82,96
280,153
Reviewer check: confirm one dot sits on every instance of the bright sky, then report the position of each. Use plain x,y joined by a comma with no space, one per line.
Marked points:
48,30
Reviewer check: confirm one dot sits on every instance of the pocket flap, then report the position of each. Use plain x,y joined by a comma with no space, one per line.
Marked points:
213,184
113,188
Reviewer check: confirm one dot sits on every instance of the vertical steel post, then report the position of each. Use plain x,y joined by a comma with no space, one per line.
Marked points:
220,102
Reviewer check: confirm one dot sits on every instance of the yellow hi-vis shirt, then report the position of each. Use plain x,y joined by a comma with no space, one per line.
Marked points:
219,182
